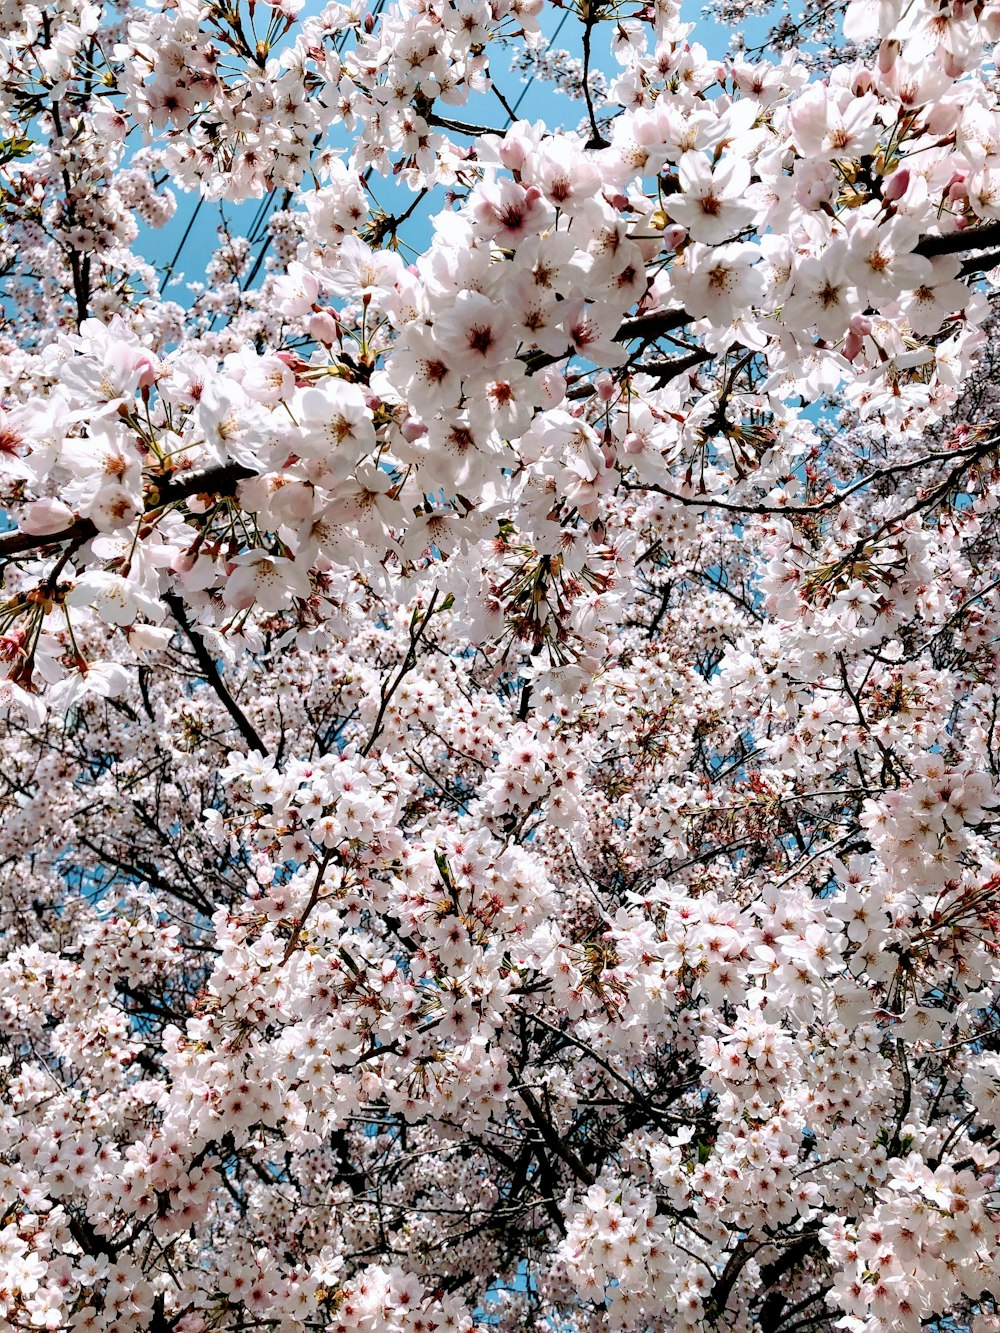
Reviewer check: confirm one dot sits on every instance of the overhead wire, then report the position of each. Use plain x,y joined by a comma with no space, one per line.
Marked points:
168,271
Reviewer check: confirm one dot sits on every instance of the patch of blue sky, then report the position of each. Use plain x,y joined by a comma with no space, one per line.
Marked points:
520,1283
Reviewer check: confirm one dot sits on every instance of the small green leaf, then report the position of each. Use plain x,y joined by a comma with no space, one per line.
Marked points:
15,147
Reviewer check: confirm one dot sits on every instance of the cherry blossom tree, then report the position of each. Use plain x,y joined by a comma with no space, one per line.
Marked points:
499,801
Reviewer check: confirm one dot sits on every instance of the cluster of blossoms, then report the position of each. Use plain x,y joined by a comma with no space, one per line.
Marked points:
437,420
446,992
501,785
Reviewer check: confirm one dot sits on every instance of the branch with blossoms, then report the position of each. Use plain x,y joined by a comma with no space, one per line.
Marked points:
499,809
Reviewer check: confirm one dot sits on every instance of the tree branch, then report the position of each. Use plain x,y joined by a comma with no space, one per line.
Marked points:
553,1140
597,139
211,673
219,480
958,242
409,661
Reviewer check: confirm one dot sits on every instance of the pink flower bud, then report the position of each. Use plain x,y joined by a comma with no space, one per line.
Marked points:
605,386
149,368
413,429
513,153
673,235
46,516
896,185
323,328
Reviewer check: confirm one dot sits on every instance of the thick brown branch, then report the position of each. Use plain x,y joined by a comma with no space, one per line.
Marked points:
652,326
647,327
672,367
958,242
553,1140
17,542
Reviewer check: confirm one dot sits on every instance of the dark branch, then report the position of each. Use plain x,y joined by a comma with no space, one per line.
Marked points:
211,673
958,242
219,480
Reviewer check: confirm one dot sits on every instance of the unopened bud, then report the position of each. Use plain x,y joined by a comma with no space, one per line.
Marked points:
46,516
323,328
852,345
148,367
513,153
413,429
896,185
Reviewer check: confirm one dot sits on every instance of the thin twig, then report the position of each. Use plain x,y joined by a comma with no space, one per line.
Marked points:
313,899
409,661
